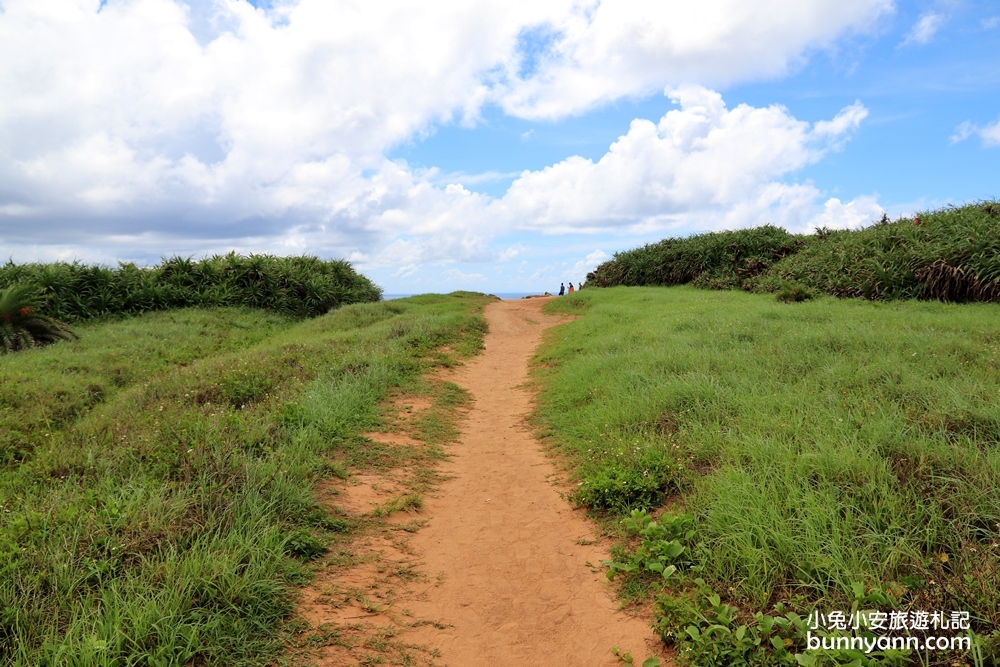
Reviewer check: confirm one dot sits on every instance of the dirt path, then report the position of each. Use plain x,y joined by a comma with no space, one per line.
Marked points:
506,560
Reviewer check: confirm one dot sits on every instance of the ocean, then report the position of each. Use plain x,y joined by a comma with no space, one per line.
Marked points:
503,295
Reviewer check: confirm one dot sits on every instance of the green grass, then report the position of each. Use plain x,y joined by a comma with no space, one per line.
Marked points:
157,506
46,390
821,446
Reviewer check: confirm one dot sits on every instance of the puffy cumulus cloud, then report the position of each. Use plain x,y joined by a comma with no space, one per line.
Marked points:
221,112
857,213
601,51
702,166
135,128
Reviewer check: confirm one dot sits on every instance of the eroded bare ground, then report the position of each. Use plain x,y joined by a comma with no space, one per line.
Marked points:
475,559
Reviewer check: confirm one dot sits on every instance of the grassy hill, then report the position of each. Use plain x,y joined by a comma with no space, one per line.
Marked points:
156,475
831,455
951,254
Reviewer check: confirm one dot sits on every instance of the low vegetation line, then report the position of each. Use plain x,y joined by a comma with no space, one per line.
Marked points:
156,503
295,286
951,254
771,460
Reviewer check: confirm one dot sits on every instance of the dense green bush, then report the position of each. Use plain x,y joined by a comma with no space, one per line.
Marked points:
720,260
22,326
297,286
952,254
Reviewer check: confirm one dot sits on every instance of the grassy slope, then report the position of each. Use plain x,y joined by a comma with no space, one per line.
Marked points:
153,521
819,445
951,254
46,390
716,260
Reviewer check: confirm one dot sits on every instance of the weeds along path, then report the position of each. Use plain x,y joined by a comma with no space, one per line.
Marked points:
504,561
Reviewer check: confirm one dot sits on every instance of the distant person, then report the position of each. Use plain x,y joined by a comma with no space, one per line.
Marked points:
571,288
562,288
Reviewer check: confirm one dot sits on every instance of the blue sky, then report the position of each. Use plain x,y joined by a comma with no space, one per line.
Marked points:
498,146
918,95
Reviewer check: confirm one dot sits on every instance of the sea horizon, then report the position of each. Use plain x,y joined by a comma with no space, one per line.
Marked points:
506,296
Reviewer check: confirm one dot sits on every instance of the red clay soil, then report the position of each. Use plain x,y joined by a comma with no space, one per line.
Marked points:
508,564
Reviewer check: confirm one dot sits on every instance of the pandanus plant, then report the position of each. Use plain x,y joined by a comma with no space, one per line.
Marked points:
22,326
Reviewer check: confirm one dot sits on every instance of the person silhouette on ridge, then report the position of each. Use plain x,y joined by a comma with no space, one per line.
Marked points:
562,289
571,288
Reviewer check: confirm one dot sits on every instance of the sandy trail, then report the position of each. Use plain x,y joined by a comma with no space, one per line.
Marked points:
516,587
506,558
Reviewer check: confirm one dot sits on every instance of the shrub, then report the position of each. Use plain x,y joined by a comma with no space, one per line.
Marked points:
296,286
792,292
304,544
667,544
709,633
718,259
623,489
952,254
22,325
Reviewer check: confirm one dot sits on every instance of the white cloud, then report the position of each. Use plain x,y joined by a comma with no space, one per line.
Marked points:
964,130
138,128
587,264
991,22
857,213
990,134
611,49
462,178
124,105
458,276
701,166
924,29
510,253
